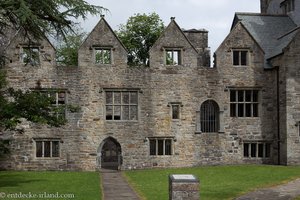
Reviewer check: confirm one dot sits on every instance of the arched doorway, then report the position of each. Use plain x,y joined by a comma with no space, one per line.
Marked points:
111,154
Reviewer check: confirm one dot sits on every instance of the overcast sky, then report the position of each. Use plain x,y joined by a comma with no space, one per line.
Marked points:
213,15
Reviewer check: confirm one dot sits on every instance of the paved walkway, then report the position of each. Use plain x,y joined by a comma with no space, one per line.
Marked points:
115,187
282,192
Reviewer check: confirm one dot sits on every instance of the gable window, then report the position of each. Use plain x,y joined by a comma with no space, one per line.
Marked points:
121,105
243,103
257,150
240,57
102,56
47,148
173,57
209,116
160,146
30,55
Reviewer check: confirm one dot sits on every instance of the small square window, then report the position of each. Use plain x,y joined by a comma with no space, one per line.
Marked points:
102,56
30,55
175,109
173,57
240,58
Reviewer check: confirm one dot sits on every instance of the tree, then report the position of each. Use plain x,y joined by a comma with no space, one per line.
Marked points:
138,35
67,51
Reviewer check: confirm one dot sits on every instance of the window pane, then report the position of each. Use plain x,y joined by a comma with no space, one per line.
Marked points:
61,97
253,150
240,110
260,150
55,149
175,111
233,110
133,113
106,56
268,150
175,57
232,96
39,149
46,148
169,58
241,95
117,112
125,97
255,110
168,145
109,112
160,147
133,98
236,58
152,147
246,150
109,97
30,55
98,56
125,112
248,110
117,98
244,57
248,95
255,96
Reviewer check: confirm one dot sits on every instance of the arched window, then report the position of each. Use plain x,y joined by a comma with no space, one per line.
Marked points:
209,116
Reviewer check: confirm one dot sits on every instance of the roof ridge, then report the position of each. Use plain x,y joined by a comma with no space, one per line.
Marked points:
261,14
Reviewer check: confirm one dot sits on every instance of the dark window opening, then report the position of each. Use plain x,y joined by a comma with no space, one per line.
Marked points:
240,58
244,103
175,111
209,116
257,150
47,149
160,146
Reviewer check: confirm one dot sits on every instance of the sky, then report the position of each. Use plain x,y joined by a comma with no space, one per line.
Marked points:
213,15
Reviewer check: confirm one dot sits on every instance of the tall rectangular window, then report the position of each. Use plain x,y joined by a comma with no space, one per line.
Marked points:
244,103
173,57
121,105
102,56
240,57
30,55
257,150
160,146
47,148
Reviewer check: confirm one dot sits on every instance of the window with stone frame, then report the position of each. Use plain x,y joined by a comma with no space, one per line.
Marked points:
257,149
175,110
244,103
30,55
59,98
121,105
240,57
160,146
47,148
209,117
173,56
102,55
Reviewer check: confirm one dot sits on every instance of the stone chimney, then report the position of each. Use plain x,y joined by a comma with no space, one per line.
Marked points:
264,6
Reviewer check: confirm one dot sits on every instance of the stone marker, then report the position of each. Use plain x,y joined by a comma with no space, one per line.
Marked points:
183,187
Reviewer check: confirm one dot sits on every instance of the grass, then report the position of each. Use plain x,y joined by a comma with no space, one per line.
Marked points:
220,182
83,185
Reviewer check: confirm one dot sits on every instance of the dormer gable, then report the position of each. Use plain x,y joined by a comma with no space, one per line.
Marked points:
102,47
173,48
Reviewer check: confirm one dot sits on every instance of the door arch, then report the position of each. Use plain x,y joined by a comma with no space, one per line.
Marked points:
110,154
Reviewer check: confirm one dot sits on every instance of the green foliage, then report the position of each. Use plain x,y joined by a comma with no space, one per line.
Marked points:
138,35
84,185
46,17
67,51
220,182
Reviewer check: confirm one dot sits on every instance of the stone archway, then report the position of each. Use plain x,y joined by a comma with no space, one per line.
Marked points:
110,154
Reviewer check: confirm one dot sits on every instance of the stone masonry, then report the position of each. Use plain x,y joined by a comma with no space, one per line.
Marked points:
126,117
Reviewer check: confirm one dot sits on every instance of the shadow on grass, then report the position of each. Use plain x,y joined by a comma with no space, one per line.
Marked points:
15,180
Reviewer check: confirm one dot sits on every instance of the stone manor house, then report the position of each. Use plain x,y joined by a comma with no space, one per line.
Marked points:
177,112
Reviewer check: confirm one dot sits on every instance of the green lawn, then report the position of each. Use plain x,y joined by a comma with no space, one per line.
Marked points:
220,182
83,185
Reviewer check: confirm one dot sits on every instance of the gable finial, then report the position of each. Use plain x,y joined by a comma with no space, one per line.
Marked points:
172,18
102,16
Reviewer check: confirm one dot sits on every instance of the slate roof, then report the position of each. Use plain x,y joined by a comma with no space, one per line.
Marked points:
272,32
